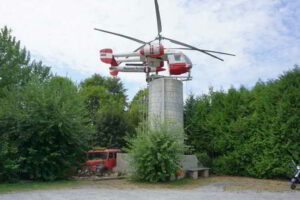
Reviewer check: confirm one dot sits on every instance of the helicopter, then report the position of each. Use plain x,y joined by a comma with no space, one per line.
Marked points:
151,56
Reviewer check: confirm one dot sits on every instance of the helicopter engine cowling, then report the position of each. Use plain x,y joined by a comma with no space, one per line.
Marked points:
152,50
179,68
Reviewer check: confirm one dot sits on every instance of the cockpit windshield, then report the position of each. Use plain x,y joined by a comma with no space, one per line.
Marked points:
179,58
97,156
187,60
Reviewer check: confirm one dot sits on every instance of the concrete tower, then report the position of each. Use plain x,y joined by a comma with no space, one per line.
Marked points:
165,101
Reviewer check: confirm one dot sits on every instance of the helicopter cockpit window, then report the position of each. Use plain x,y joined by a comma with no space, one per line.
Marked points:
177,57
187,59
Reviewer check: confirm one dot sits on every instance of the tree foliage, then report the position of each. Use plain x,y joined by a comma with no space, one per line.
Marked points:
105,101
42,128
15,65
99,92
137,109
247,132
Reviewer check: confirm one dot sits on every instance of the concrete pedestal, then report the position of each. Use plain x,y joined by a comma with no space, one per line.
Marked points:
186,162
165,102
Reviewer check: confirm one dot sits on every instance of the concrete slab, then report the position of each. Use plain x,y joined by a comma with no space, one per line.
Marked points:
187,162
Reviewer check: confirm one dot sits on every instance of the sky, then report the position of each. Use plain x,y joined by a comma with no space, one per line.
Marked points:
264,34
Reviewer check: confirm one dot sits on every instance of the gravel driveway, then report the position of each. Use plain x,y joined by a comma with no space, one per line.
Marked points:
209,192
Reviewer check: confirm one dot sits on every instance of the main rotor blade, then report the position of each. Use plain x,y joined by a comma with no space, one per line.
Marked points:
140,48
143,45
159,28
229,54
121,35
192,47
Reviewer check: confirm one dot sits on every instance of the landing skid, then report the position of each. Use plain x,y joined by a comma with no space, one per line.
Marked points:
152,77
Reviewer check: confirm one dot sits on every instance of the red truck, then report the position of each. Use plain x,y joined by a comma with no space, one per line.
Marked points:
99,160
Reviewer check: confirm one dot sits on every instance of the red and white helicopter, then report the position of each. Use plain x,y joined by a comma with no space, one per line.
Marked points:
151,56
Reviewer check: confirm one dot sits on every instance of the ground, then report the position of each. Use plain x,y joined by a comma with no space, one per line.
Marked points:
212,188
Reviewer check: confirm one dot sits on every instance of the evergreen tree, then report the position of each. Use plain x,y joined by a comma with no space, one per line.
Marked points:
247,132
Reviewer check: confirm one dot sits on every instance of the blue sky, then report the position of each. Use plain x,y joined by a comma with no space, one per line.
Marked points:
264,34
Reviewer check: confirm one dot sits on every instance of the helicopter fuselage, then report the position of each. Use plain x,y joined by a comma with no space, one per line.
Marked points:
150,58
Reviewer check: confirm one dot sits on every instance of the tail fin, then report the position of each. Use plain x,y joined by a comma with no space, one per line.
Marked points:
106,56
113,72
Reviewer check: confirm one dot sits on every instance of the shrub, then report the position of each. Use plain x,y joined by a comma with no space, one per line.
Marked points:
204,159
154,154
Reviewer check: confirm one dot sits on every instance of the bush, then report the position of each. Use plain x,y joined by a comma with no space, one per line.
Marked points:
204,159
155,153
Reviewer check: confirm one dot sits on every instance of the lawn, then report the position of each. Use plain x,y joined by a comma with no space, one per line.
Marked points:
35,185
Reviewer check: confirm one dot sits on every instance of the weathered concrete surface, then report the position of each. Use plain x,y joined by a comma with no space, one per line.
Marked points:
122,163
210,192
165,102
187,162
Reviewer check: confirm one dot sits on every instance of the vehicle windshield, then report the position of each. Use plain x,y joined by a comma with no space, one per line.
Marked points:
97,156
187,59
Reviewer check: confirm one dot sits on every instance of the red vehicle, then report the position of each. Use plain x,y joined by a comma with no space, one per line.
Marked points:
99,160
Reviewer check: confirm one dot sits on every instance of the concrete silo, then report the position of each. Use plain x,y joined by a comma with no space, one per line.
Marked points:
165,101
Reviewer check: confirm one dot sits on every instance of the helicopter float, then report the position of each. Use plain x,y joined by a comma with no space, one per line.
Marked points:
150,57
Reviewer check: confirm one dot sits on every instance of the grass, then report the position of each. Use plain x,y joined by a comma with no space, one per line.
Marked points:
260,185
228,183
186,183
117,184
34,185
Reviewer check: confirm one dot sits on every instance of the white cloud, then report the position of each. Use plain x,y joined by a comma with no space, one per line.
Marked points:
261,33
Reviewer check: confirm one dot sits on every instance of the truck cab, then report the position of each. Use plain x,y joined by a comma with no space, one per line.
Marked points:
102,159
